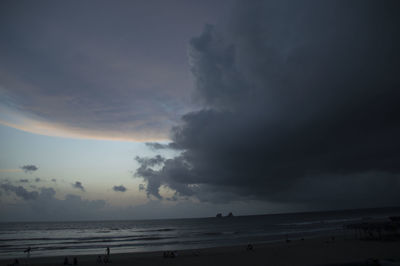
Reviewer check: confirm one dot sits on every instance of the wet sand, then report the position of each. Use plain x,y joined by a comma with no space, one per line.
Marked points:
318,251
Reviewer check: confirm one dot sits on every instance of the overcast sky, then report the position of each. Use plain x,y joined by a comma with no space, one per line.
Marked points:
159,109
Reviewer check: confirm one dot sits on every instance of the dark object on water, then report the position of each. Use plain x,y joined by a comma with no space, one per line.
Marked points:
169,254
75,261
219,215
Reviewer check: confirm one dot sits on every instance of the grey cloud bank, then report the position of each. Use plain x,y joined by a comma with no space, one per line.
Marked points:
20,191
300,107
43,205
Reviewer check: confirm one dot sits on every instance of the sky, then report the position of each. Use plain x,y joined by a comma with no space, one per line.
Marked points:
172,109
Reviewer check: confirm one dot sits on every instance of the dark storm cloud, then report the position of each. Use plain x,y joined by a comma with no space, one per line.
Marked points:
120,188
78,185
152,177
300,105
29,168
20,191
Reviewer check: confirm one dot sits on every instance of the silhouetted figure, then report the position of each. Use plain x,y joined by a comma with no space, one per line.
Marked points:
287,239
28,252
105,260
66,262
99,259
108,251
75,261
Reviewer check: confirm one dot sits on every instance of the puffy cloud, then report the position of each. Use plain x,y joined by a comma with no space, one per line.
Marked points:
20,191
120,188
300,106
78,185
29,168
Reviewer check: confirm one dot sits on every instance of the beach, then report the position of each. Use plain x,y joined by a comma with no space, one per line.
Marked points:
316,251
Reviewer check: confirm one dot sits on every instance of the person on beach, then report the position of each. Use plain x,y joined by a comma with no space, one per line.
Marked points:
66,262
99,259
108,251
28,252
75,261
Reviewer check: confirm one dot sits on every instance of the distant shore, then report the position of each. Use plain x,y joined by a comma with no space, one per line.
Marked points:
316,251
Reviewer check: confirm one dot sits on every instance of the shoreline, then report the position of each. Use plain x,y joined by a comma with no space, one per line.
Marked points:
311,251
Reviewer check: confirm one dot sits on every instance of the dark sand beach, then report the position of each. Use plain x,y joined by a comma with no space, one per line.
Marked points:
343,250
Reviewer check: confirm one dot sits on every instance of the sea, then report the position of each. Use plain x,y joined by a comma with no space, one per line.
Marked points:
93,237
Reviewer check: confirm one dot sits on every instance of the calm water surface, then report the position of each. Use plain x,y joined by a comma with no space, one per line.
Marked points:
67,238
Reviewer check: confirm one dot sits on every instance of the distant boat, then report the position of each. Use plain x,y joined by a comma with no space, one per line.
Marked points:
230,215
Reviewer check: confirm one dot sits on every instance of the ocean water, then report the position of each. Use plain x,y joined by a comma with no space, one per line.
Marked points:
93,237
